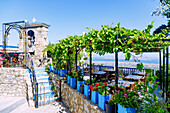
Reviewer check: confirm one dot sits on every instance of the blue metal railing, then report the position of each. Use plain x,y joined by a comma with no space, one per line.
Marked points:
33,81
122,70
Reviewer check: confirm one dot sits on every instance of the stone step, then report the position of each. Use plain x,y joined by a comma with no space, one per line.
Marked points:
45,87
41,74
47,100
42,78
44,91
39,70
46,95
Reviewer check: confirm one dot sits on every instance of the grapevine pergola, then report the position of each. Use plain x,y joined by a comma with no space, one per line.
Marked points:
109,40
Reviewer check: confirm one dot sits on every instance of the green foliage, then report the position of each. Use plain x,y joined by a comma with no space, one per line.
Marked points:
139,66
87,82
79,75
158,76
127,56
102,88
105,41
128,99
150,102
163,9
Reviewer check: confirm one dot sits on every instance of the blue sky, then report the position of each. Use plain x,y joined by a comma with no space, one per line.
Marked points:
71,17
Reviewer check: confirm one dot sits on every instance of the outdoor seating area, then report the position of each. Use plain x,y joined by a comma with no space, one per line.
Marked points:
123,88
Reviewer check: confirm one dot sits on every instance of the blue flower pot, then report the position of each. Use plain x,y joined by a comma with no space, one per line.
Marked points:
94,96
79,83
58,72
72,82
63,72
121,109
102,100
78,67
55,71
68,79
51,68
130,110
157,80
86,90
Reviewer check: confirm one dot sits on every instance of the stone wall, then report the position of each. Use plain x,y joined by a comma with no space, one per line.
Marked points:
77,102
74,100
14,82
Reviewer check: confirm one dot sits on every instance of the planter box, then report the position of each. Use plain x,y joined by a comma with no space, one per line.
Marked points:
79,83
78,67
130,110
68,79
94,96
121,109
72,82
59,72
102,100
51,68
63,72
56,71
86,90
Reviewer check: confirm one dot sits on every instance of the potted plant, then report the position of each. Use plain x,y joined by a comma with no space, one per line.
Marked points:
51,67
127,101
63,72
103,95
110,105
68,77
86,88
82,89
55,69
72,79
80,80
94,93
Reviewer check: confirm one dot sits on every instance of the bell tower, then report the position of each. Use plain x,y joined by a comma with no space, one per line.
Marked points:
37,38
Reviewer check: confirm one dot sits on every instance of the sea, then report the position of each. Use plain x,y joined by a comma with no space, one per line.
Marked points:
152,61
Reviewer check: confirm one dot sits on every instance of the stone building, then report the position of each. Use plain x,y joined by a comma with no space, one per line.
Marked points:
36,39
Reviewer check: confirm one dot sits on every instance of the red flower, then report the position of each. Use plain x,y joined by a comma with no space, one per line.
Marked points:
69,71
17,61
105,84
118,91
97,84
101,87
15,54
125,95
91,87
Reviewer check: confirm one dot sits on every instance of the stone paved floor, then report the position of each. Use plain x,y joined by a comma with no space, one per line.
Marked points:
19,105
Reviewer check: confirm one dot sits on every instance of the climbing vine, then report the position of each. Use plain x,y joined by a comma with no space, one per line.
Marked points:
108,40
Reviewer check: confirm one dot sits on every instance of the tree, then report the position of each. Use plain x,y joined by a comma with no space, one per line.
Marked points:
163,9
